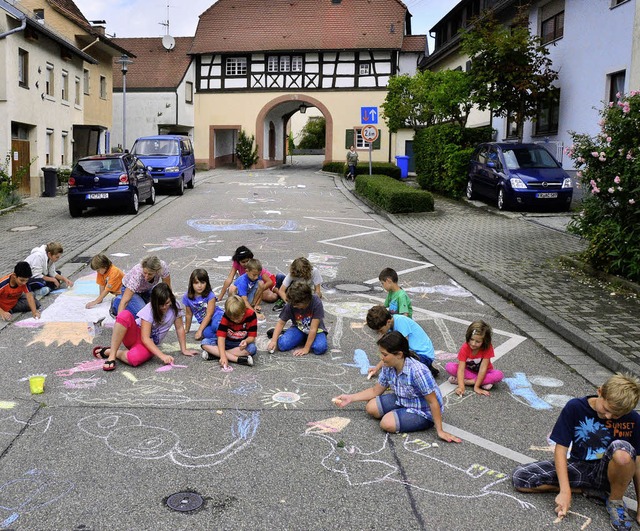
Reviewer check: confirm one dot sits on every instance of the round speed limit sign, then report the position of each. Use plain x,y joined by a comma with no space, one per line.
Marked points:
370,133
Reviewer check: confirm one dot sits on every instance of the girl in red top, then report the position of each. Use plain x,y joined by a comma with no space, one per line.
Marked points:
474,361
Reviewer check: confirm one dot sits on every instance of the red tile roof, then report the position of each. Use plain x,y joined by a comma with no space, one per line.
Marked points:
414,43
69,9
154,67
264,25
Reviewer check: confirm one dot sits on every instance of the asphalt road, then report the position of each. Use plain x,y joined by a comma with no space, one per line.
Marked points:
264,446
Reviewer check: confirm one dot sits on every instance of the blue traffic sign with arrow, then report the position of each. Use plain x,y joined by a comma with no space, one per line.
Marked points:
369,115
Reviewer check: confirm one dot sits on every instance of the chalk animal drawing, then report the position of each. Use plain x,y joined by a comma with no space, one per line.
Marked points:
222,225
126,435
361,361
29,492
521,388
358,468
14,426
84,366
180,242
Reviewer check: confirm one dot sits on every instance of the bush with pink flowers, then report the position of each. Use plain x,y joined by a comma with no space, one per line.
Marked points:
609,172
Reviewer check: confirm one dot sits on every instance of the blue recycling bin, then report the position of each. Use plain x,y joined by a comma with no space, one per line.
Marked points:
402,162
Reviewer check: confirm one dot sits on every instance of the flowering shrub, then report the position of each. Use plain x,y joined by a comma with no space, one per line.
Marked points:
609,172
8,185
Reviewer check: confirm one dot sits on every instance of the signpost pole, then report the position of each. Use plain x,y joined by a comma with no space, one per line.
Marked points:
370,154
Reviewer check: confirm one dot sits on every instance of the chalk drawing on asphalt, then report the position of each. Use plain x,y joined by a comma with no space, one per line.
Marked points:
7,404
83,383
14,426
29,492
522,390
126,435
214,224
284,398
84,366
64,332
330,425
181,242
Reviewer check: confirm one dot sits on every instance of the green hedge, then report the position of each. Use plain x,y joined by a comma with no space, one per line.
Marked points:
377,168
394,196
442,153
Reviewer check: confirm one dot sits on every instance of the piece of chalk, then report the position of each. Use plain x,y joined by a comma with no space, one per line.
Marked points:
272,351
369,376
219,412
336,400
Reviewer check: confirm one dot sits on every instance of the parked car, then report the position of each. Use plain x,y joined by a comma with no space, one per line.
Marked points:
518,175
170,158
119,179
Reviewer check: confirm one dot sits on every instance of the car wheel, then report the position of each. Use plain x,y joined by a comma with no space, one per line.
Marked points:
151,200
192,182
75,211
180,186
502,200
471,194
134,203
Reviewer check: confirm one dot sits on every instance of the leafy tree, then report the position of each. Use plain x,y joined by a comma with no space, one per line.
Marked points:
313,133
246,153
450,96
510,69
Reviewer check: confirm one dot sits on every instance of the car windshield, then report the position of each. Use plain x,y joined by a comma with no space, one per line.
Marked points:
155,147
100,166
528,157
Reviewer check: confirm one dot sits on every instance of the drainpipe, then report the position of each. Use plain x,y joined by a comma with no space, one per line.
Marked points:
90,44
15,30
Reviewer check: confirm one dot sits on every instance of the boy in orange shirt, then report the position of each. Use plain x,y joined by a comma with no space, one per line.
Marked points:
14,295
109,278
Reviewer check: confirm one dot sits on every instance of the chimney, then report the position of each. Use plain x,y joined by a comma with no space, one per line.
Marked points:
99,26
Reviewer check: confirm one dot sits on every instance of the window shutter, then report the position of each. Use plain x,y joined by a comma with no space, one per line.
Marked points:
348,139
376,144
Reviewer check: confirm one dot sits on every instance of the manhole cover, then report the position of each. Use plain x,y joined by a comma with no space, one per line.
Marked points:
24,228
185,501
353,288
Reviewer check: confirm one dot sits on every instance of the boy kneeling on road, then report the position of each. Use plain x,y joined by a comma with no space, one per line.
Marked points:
14,295
604,434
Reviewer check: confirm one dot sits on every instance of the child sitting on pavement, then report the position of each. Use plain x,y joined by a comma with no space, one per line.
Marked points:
306,312
397,300
45,277
474,361
109,278
200,302
256,285
236,335
300,269
380,320
415,401
14,294
603,432
239,259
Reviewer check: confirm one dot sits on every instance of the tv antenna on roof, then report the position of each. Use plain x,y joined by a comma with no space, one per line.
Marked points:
168,42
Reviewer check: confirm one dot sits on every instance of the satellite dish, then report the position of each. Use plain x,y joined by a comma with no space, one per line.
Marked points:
168,42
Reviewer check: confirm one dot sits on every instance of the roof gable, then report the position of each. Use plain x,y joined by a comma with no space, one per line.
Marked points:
230,26
154,66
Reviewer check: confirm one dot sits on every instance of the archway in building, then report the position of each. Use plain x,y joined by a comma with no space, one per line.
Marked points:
277,112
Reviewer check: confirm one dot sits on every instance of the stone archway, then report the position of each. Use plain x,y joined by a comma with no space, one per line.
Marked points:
301,98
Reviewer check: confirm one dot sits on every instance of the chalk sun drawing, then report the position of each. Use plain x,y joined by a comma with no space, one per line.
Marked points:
284,398
126,435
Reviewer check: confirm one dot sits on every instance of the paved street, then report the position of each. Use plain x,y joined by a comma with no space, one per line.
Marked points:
264,446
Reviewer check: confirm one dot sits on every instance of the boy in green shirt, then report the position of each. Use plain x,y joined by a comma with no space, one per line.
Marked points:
397,300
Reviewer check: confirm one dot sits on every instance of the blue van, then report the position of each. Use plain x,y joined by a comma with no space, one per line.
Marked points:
170,159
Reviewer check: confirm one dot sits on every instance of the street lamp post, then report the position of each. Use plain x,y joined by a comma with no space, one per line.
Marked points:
124,61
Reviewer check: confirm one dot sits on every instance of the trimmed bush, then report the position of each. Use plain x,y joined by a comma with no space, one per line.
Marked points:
377,168
394,196
442,153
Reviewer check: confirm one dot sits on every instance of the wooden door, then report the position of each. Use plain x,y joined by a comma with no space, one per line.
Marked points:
20,164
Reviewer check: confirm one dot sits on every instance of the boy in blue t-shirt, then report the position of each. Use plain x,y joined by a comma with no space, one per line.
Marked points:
380,320
603,433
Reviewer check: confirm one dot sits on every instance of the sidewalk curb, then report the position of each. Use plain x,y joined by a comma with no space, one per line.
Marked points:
577,337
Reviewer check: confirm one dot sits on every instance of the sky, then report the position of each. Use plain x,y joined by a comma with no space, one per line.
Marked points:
144,18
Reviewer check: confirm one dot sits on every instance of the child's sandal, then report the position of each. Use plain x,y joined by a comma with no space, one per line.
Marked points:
109,365
100,353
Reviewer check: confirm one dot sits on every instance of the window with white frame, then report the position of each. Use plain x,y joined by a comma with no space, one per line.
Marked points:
236,66
65,86
616,85
285,63
359,141
76,98
23,68
296,63
48,80
272,63
103,87
48,158
552,17
65,148
365,69
86,80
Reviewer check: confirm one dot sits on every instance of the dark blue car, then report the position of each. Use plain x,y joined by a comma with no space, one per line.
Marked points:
517,176
115,180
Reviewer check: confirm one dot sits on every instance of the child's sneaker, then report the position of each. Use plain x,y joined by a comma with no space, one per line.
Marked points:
41,292
245,360
487,387
618,515
278,305
207,356
453,380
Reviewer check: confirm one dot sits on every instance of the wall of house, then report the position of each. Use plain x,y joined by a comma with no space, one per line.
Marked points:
343,106
408,63
634,80
31,106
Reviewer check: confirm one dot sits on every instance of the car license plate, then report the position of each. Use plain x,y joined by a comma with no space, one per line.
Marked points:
547,195
155,181
97,196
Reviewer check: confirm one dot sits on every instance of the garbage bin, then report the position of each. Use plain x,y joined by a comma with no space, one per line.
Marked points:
50,181
403,163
